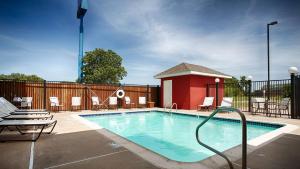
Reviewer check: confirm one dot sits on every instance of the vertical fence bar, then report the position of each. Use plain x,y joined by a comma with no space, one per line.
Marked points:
249,95
217,94
297,97
45,94
158,96
147,96
86,98
293,96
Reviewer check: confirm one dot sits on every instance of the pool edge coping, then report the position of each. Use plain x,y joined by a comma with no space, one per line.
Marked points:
162,161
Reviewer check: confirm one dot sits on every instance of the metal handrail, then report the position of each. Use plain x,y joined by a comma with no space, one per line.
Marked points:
244,136
174,104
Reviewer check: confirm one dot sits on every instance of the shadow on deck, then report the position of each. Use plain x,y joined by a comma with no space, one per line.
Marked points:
282,153
86,149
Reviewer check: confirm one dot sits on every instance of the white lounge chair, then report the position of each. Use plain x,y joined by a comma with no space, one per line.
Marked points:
26,102
113,102
5,113
76,102
207,103
54,102
96,103
14,110
40,124
142,102
226,102
128,102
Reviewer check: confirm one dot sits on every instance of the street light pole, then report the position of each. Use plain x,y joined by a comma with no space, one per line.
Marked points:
268,43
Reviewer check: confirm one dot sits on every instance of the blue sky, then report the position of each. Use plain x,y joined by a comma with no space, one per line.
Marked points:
41,37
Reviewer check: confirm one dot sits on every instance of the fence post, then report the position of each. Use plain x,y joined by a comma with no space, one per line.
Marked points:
249,94
217,80
86,98
158,96
293,96
45,94
147,98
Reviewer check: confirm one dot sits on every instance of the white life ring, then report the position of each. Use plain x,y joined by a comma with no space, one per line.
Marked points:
120,94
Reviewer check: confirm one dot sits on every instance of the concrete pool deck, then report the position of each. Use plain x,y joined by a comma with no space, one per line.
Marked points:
76,145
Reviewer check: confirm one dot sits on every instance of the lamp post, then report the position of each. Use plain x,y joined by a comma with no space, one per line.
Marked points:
217,80
268,39
293,71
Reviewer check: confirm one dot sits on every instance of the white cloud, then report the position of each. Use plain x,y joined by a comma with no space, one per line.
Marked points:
236,51
168,32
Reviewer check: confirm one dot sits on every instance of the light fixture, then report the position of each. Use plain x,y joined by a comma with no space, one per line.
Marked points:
293,70
249,77
217,80
273,23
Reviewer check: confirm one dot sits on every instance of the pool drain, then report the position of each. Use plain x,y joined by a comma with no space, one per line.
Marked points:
115,145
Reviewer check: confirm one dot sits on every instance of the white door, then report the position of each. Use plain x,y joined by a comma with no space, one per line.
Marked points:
167,93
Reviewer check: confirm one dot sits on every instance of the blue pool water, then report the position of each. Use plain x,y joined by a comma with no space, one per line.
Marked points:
174,136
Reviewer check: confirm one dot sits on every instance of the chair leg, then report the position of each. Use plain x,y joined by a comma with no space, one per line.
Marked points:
36,138
52,128
2,129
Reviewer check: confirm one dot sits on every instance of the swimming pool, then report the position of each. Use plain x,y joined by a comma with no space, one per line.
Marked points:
173,136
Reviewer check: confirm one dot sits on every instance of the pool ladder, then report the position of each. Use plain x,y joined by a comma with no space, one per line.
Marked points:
170,111
244,136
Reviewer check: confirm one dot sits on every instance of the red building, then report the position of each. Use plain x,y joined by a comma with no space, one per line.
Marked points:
186,85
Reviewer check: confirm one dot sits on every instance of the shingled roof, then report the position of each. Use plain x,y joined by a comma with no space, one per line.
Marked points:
190,69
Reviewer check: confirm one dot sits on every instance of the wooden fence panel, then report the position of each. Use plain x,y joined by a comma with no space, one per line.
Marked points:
66,90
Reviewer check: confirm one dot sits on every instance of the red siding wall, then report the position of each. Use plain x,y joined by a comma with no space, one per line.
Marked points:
180,91
189,91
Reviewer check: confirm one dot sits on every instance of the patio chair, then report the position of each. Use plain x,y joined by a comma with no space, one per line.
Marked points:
19,124
96,103
76,103
17,101
14,110
142,102
207,103
26,102
54,102
128,102
281,108
258,105
113,102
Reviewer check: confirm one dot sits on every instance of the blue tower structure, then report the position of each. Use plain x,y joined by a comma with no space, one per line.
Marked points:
81,10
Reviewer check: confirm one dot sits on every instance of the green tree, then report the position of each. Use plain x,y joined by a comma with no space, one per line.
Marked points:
236,87
101,66
20,76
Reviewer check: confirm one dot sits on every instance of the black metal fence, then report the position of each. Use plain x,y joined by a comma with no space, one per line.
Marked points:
244,92
239,93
